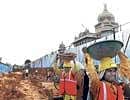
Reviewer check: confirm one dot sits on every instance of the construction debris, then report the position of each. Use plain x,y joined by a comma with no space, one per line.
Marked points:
14,86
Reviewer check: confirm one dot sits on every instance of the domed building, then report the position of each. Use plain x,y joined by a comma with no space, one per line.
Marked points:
106,23
105,29
84,37
106,26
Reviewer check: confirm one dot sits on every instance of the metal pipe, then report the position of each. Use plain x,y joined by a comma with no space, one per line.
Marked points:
127,43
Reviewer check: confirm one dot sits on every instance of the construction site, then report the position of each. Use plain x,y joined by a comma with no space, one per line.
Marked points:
35,86
38,80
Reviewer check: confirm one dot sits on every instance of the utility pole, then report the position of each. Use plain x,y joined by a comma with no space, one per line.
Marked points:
127,43
128,36
120,26
114,37
113,30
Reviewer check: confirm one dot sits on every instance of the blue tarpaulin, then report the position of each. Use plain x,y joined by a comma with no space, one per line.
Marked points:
5,68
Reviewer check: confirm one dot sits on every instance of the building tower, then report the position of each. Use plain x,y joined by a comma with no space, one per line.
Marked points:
62,48
106,23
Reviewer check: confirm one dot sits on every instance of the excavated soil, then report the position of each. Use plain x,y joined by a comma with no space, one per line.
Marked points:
14,87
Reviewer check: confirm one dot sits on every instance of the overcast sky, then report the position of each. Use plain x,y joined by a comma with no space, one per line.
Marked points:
29,29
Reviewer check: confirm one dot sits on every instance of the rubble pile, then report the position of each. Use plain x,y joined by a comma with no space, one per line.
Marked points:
38,74
9,86
14,86
30,91
46,88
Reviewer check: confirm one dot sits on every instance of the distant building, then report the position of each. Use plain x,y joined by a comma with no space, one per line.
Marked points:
62,48
106,26
105,29
106,23
85,37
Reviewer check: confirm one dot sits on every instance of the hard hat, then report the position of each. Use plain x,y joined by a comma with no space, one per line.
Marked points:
67,64
106,63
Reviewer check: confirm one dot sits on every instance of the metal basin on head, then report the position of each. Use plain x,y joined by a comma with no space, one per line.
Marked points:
108,48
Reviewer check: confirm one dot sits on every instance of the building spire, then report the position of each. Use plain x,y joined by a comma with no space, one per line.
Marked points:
105,7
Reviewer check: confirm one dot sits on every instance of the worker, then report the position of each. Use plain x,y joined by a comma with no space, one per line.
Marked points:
68,83
106,86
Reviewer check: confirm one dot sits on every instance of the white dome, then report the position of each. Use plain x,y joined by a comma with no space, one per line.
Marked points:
106,16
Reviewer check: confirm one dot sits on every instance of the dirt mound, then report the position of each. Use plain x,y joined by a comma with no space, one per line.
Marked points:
14,87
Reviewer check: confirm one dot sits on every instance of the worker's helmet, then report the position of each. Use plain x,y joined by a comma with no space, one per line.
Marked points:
106,63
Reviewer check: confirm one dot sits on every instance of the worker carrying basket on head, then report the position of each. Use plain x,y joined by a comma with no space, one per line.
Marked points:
68,83
106,84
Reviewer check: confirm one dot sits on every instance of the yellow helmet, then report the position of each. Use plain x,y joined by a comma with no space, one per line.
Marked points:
106,63
67,64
